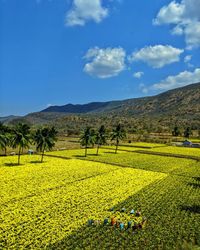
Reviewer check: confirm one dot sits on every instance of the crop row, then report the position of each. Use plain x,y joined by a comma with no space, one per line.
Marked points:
34,178
173,213
41,220
139,161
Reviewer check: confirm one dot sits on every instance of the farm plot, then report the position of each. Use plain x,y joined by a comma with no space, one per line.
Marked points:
33,178
49,201
178,150
173,220
139,161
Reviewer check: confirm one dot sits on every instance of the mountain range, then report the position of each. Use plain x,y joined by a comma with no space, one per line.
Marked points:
185,100
177,105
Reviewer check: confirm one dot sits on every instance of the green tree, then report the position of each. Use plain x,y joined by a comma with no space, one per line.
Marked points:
87,138
4,137
101,138
176,131
20,138
118,134
44,139
187,132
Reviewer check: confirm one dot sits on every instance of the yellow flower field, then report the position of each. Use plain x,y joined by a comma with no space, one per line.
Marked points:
43,203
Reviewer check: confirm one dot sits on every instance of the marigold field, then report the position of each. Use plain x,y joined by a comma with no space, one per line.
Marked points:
48,205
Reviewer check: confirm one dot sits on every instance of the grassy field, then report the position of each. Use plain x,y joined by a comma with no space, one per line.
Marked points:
48,205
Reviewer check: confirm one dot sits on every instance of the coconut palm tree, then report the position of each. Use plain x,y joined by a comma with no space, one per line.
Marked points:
118,134
87,138
187,132
21,138
101,137
44,139
4,137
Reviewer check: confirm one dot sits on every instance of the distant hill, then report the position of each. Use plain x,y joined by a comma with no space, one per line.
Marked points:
185,100
181,105
77,108
9,118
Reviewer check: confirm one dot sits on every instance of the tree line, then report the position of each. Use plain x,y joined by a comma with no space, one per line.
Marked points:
186,133
20,137
90,137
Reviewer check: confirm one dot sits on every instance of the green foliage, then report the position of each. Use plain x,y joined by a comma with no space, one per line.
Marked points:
20,138
44,139
5,137
101,137
187,132
176,131
87,138
118,134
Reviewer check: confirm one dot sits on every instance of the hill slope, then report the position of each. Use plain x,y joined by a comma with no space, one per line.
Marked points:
177,106
185,100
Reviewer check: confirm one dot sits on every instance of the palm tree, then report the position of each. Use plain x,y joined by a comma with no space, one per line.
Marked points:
21,138
4,137
87,138
187,132
44,139
176,131
101,137
118,134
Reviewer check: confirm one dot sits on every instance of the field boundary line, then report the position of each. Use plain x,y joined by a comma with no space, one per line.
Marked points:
189,157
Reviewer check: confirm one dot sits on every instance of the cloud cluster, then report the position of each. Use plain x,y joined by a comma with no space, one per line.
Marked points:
83,11
187,58
182,79
138,74
105,63
157,56
108,62
185,17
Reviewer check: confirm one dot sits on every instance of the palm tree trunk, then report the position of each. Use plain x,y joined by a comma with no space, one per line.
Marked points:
85,150
97,149
19,155
42,156
5,151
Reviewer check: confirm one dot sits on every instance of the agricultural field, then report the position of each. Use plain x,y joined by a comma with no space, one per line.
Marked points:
178,150
47,205
136,160
160,148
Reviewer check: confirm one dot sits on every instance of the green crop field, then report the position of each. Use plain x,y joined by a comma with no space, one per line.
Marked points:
48,205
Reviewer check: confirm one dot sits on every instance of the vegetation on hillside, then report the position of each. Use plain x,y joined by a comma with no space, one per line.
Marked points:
179,107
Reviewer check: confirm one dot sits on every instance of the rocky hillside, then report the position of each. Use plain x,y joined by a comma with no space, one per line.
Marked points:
177,106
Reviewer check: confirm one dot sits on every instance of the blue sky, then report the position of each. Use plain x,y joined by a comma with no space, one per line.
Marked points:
54,52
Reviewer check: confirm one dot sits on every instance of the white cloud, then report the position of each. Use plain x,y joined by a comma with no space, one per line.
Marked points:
187,58
105,63
182,79
185,16
192,34
138,74
171,13
157,56
143,88
83,11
